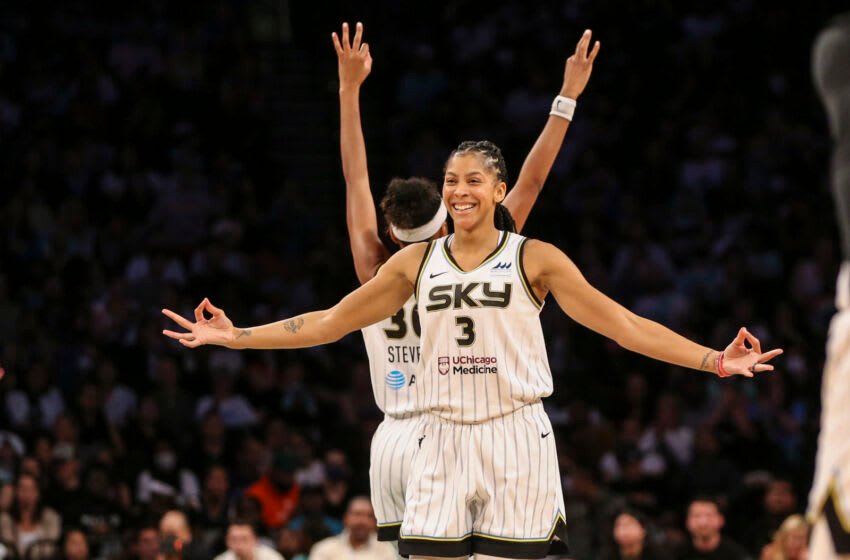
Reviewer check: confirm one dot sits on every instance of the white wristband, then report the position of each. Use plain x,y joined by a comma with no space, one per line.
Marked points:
563,107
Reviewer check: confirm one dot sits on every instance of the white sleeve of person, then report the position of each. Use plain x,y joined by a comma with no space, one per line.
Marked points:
563,107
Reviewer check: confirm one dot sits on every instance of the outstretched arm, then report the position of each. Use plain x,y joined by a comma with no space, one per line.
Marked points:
535,169
377,299
354,64
550,270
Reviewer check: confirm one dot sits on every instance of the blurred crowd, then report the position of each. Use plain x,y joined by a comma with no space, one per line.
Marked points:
140,159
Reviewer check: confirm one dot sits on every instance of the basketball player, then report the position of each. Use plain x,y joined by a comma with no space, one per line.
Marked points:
829,500
485,478
414,211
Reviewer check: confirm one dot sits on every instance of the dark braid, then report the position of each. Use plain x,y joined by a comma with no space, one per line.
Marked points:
503,219
493,159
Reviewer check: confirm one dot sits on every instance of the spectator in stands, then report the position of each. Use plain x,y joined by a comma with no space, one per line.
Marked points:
631,539
704,523
145,544
74,545
359,539
29,521
166,475
174,526
277,491
291,544
242,544
312,510
790,541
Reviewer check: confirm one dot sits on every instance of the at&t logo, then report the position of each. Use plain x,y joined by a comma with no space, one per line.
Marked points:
396,380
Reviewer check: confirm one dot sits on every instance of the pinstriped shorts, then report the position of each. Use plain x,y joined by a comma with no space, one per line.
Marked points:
489,488
393,447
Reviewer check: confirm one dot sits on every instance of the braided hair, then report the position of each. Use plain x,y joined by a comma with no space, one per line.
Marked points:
492,157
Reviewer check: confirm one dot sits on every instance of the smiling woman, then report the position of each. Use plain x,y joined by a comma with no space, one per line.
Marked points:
485,477
483,420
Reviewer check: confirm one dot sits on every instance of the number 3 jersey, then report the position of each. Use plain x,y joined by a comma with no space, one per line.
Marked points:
393,349
482,349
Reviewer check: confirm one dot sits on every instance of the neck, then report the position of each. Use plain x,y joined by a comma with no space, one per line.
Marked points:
632,550
466,240
707,543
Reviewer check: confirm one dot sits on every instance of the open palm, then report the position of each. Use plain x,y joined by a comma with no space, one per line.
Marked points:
217,330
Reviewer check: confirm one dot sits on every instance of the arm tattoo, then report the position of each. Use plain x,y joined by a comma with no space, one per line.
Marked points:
294,325
243,332
707,361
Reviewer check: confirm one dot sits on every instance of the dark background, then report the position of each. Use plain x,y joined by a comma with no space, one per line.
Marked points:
152,155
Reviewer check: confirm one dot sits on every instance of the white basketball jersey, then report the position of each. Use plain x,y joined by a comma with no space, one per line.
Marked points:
393,349
483,353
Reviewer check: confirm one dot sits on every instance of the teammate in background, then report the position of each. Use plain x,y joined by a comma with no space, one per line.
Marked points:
414,212
829,500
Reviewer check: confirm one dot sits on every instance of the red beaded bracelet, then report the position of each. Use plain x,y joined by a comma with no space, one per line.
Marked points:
718,361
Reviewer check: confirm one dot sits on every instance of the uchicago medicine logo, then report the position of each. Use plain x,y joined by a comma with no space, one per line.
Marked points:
467,365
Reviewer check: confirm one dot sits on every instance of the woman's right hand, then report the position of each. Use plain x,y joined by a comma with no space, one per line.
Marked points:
354,59
218,330
579,66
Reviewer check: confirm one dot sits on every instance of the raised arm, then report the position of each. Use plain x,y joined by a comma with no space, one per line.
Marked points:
377,299
354,64
550,270
538,163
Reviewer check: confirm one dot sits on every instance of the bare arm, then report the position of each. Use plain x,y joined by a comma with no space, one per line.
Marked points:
550,270
367,249
377,299
538,163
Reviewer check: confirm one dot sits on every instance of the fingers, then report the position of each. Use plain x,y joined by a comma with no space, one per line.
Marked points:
364,49
346,44
212,308
178,335
767,356
337,45
593,52
581,46
358,36
185,323
740,337
754,342
199,311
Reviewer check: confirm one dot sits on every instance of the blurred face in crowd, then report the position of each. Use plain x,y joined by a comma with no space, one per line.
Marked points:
289,542
241,540
147,545
76,546
27,492
217,483
704,520
31,466
175,524
779,497
360,520
628,532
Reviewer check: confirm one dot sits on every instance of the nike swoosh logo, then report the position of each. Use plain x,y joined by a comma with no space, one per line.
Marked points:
544,435
558,105
434,275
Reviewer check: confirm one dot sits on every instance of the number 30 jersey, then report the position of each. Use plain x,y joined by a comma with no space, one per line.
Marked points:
482,350
393,349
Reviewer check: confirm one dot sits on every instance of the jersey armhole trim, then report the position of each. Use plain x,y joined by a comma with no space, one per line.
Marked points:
424,262
522,276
